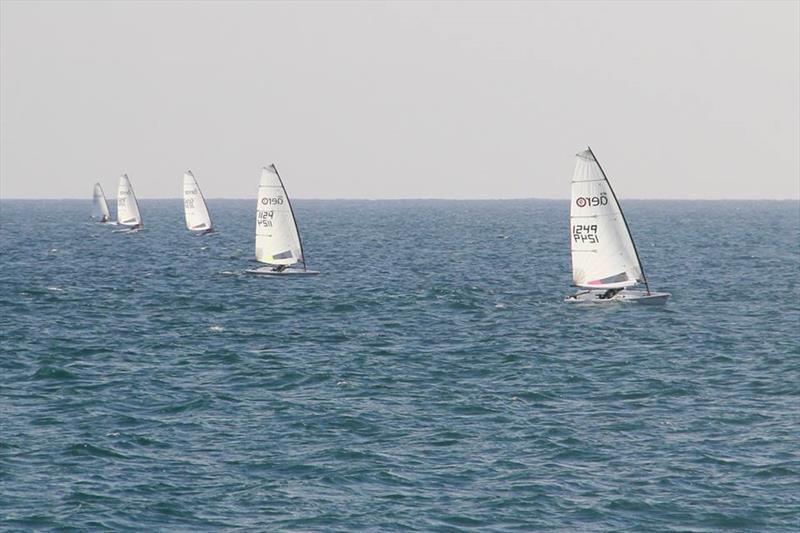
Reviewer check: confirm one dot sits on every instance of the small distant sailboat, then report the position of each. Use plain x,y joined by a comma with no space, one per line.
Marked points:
605,262
278,241
127,206
198,220
100,211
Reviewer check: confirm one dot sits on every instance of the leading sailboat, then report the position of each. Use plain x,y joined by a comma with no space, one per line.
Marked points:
127,206
278,241
605,263
100,211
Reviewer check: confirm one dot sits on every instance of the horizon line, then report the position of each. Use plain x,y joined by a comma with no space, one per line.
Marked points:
431,198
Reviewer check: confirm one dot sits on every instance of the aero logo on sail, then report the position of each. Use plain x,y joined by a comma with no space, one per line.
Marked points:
594,201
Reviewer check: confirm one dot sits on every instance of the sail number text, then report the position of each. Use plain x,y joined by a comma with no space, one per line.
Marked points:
584,233
265,218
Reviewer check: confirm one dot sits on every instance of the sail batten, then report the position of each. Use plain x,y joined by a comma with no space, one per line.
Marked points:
598,226
127,206
603,286
277,237
194,205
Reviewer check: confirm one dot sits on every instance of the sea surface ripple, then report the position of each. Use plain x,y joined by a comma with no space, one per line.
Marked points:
430,379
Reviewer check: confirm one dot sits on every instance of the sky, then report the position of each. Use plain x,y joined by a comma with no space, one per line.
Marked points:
695,100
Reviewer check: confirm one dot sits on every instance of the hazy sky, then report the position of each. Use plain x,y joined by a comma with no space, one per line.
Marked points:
400,100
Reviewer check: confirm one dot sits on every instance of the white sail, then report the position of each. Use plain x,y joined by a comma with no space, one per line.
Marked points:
100,205
603,254
194,205
127,207
277,239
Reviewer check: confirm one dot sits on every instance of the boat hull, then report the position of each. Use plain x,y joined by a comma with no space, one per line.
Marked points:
127,229
289,272
624,296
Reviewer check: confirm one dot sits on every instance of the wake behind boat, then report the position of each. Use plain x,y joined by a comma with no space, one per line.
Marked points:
127,207
198,219
278,243
605,262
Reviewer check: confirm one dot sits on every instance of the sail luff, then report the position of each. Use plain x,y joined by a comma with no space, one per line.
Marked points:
205,205
138,211
625,220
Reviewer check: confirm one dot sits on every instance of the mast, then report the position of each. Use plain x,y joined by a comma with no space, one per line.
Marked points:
294,219
205,204
106,212
136,201
630,235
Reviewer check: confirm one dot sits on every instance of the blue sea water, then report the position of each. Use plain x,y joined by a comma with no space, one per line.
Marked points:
430,379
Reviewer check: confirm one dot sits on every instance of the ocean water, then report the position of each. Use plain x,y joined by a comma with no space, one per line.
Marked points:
430,379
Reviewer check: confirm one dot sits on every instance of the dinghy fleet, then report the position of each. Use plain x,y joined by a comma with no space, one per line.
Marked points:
606,266
278,242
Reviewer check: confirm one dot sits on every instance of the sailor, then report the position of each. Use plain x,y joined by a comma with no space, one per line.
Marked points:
280,268
610,293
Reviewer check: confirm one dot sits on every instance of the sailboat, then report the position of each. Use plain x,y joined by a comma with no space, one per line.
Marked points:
100,205
127,206
605,262
278,241
198,220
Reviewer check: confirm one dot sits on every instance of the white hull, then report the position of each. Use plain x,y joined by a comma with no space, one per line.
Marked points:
624,296
291,271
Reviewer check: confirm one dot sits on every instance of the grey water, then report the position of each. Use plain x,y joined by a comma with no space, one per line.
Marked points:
430,379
